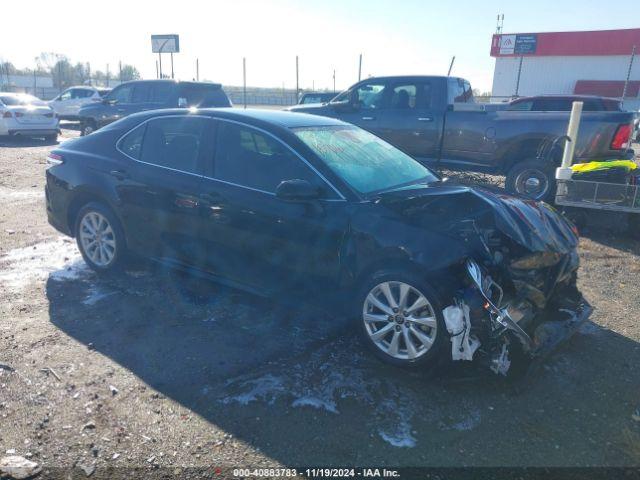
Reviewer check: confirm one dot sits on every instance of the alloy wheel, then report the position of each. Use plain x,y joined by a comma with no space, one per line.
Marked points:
97,238
533,183
399,320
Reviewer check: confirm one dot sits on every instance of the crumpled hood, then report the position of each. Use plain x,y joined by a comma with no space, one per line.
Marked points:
534,225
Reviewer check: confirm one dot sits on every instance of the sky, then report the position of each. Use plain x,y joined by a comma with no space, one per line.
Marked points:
395,37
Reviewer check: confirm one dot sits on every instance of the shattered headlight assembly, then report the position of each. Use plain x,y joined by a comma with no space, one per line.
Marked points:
536,260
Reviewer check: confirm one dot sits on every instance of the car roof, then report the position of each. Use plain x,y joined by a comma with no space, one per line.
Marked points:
254,116
168,80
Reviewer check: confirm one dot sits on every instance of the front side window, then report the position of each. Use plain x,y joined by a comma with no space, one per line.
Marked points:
365,162
403,97
66,95
121,94
160,92
370,96
253,159
173,142
140,93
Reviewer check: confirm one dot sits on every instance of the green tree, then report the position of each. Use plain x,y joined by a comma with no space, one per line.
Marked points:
129,72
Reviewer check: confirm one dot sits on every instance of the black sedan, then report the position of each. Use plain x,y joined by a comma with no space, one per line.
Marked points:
283,202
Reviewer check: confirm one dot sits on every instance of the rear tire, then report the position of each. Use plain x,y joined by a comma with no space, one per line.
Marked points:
395,330
533,179
100,238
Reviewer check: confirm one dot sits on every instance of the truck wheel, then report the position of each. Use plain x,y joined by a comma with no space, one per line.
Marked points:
400,319
532,179
87,127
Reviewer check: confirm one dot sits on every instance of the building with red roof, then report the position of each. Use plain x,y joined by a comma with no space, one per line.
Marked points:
585,62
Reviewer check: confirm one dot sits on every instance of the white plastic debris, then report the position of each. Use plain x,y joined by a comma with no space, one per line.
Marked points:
501,363
463,345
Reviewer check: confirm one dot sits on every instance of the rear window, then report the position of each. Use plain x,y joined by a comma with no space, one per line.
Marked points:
15,100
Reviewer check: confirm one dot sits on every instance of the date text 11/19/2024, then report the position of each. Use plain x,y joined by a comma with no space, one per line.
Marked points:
317,472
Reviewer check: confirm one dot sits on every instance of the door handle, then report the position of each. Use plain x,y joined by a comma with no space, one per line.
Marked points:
368,118
119,174
425,119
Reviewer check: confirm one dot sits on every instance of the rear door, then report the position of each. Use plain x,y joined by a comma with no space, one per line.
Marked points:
162,184
408,121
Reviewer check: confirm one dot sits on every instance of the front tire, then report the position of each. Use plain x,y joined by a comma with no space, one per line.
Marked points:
532,179
100,238
87,127
400,319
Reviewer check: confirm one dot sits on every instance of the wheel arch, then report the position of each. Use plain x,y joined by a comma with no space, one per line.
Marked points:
83,198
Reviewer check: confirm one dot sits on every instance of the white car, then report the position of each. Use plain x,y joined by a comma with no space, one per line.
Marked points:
28,116
68,103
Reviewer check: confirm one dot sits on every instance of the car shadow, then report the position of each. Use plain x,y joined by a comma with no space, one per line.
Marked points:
290,378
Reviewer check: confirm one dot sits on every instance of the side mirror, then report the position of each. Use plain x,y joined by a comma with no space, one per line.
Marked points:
297,190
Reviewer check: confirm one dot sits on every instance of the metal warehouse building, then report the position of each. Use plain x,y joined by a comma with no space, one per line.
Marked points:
592,63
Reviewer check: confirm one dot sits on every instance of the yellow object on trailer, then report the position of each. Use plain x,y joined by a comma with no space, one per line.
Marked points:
594,166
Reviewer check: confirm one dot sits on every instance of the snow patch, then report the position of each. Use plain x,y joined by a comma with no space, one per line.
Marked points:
266,387
96,294
401,437
12,196
57,259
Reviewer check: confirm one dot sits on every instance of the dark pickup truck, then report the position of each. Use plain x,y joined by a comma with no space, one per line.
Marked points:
437,121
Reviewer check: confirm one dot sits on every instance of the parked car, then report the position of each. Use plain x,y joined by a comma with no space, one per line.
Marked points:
564,103
316,97
67,105
27,116
141,95
286,203
436,120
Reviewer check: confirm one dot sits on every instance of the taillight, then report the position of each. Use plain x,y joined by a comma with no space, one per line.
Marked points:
18,114
621,138
7,114
54,159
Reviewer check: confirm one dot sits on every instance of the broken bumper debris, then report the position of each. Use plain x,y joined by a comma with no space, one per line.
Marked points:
506,327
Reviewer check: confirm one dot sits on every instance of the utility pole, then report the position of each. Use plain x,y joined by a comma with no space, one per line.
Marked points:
297,84
626,82
107,74
518,80
359,68
334,81
453,59
120,70
244,81
197,70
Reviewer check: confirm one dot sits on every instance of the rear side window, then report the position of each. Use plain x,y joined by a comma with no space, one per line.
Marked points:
171,142
131,144
253,159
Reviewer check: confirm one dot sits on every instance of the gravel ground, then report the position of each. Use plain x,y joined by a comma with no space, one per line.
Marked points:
151,369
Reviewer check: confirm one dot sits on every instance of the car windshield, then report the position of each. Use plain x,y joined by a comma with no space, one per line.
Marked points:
364,161
16,100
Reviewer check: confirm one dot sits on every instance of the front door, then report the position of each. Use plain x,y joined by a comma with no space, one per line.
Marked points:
255,237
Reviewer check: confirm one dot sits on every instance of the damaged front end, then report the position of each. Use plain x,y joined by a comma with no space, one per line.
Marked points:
520,299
